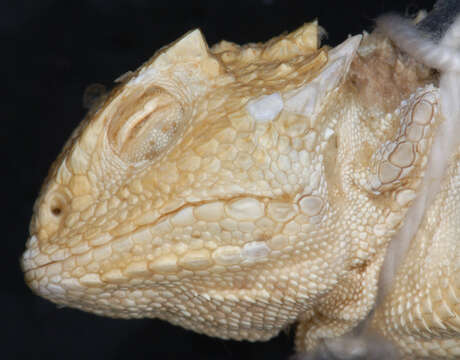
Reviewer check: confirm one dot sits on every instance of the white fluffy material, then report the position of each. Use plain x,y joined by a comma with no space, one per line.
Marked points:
352,347
444,57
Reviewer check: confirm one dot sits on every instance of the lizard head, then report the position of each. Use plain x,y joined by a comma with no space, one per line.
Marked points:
202,191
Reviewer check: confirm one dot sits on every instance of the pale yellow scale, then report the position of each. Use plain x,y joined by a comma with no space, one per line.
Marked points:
236,190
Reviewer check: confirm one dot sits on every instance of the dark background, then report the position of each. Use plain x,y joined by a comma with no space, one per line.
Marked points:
50,52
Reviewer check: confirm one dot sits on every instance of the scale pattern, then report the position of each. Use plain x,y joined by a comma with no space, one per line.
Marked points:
236,190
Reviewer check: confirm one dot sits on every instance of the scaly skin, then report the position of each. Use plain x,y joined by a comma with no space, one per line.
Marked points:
237,190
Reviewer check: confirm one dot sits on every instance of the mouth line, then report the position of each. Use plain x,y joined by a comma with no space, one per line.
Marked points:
158,220
35,268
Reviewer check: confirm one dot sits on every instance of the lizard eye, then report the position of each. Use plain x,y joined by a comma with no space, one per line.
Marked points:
145,125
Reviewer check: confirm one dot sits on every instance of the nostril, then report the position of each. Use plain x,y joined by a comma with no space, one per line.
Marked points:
57,205
56,211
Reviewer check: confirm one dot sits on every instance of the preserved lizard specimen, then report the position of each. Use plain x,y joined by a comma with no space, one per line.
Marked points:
235,190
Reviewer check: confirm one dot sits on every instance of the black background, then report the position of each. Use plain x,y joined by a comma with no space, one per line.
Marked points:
50,52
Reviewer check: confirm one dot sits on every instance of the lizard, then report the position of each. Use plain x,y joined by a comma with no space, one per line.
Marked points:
237,190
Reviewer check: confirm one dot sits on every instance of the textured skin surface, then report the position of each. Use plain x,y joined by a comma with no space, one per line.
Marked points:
237,190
